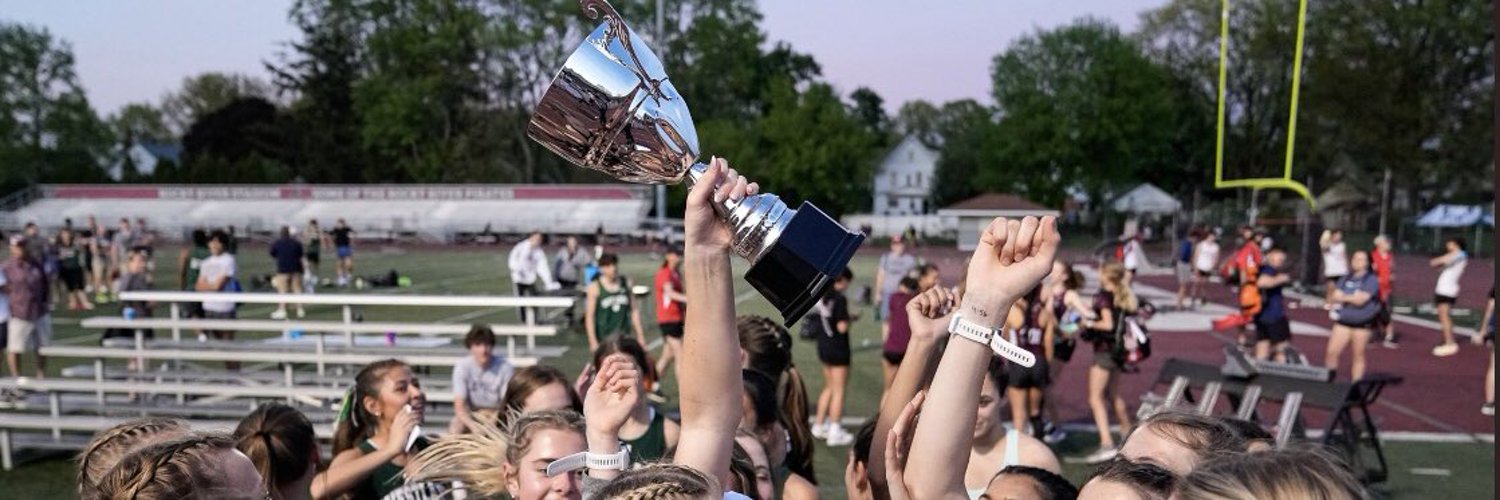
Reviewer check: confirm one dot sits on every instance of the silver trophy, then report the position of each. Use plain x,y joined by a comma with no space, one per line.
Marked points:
612,108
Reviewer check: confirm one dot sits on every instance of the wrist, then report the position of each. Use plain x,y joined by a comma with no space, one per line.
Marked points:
984,310
602,441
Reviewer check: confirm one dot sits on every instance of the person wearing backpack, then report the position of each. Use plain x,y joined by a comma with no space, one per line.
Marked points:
1272,328
1354,308
1111,304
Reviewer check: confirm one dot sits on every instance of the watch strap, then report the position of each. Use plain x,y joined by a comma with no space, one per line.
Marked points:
970,331
1012,352
583,459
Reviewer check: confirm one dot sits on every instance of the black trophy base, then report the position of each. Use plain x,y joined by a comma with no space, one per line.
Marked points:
796,272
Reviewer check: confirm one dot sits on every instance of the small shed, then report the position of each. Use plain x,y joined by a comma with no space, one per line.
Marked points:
1146,199
975,213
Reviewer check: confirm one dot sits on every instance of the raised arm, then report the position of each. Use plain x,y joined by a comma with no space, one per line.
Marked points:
707,369
1011,258
606,406
927,314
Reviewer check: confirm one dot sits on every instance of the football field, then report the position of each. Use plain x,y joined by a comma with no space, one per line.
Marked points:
1418,469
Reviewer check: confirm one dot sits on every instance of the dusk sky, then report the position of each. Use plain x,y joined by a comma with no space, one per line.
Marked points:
937,50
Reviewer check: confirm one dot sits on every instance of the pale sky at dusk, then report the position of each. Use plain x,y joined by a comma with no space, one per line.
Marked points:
937,50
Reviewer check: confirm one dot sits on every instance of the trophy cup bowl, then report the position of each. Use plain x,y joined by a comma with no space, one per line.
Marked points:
612,108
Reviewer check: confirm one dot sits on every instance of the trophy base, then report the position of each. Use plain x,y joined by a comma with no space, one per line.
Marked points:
800,267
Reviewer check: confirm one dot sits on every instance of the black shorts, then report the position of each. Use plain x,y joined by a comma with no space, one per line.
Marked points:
1333,280
312,258
192,309
72,278
1035,377
671,330
1277,330
893,358
1203,274
1384,317
833,350
1440,299
1105,360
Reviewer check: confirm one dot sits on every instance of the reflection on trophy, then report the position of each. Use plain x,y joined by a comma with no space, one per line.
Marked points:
613,109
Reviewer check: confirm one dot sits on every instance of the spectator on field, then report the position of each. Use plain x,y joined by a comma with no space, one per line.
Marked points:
119,250
30,325
610,308
189,265
1453,261
217,274
281,443
288,253
134,279
99,250
479,381
671,304
70,269
893,266
893,351
108,446
193,466
314,241
1487,326
834,352
1184,264
1027,328
1112,303
343,247
1273,330
1335,261
530,274
1354,308
373,437
1205,261
570,262
1383,261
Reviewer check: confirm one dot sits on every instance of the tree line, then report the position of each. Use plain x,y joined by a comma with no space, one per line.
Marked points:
441,91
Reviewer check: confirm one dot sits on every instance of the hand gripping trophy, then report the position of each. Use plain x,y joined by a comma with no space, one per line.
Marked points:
612,108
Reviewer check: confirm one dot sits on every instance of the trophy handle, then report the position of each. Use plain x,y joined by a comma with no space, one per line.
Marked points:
617,28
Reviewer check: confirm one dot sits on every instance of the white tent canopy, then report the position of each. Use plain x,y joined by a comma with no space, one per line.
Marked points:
1146,199
1455,216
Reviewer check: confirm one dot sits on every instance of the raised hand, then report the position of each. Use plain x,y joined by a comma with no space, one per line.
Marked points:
898,444
928,312
1012,257
613,395
401,429
702,227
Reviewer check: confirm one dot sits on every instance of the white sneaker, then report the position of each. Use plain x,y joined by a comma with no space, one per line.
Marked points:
301,313
820,431
1443,350
837,436
278,314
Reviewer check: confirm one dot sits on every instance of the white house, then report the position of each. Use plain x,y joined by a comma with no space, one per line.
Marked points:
904,179
144,156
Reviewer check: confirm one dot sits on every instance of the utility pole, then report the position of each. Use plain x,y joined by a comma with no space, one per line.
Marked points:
1385,198
661,189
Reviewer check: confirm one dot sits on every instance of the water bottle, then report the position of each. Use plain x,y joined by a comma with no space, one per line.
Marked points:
130,313
295,334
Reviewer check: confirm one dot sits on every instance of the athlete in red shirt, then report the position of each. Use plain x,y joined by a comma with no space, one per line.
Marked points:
670,303
1384,262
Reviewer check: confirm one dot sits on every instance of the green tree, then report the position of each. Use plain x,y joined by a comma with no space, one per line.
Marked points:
919,118
1080,106
139,121
965,128
48,131
815,147
206,93
319,71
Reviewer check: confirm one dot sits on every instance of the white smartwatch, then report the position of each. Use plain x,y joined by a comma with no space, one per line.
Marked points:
583,459
990,337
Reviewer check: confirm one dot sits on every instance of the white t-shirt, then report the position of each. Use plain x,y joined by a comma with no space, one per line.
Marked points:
212,269
1447,282
1132,255
1335,261
1208,256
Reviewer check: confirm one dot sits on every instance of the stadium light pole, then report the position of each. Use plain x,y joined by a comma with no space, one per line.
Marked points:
661,189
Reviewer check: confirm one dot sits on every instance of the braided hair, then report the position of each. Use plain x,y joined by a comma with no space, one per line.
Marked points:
660,482
280,442
110,445
180,468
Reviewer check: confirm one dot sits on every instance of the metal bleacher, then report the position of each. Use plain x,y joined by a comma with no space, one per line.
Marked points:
170,375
